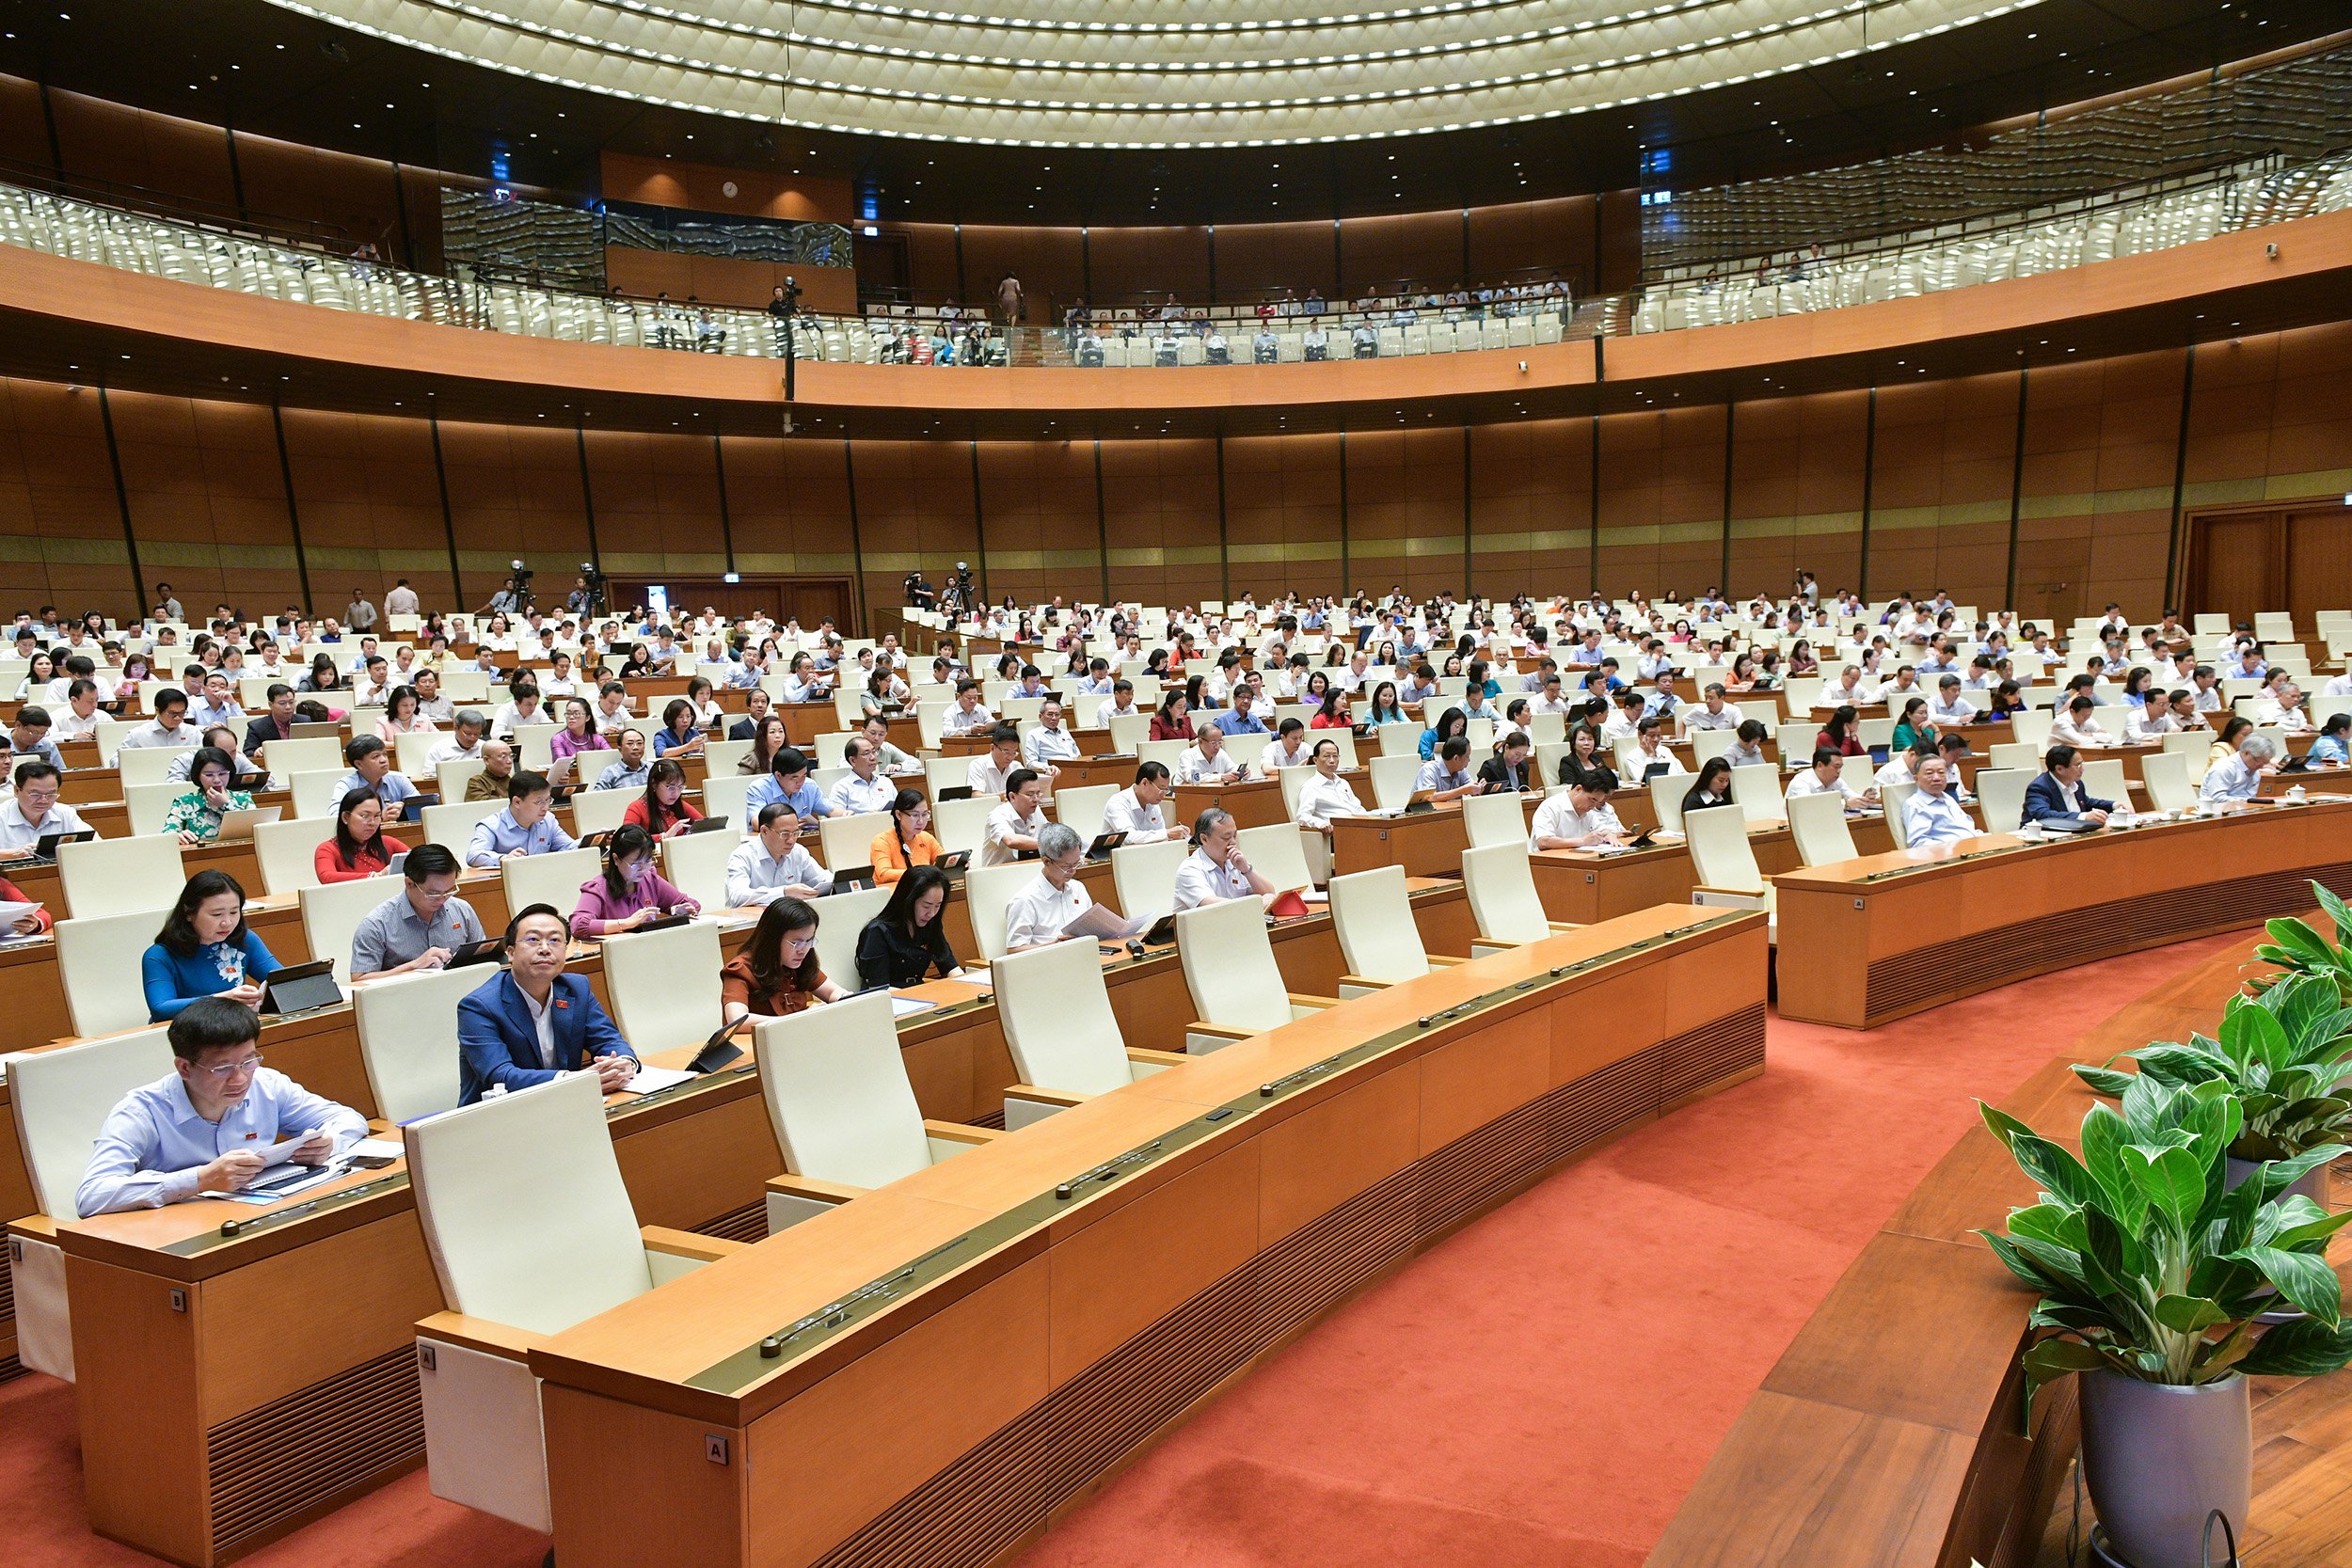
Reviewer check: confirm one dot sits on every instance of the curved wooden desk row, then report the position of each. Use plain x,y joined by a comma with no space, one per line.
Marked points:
963,1352
1921,927
1888,1435
193,1348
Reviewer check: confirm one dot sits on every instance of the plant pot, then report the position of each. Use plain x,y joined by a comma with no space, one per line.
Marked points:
2159,1459
2312,1183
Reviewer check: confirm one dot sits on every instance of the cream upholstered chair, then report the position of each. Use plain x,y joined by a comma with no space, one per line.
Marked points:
1818,822
1278,850
844,842
2001,796
1129,731
727,795
841,917
1725,863
452,826
1397,741
844,1113
2031,726
2104,778
288,852
514,1274
98,957
664,986
146,805
1144,875
552,878
987,889
1379,944
412,754
2014,755
146,765
1665,798
1081,808
117,876
1755,787
2166,774
1494,819
1236,986
1500,881
720,757
317,791
453,776
331,914
408,1028
956,824
1065,1041
1891,800
306,753
598,811
1393,780
61,1099
696,863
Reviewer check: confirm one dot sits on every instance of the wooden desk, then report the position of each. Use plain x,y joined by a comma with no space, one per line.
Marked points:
1035,1342
1254,802
1581,887
1888,1435
1915,928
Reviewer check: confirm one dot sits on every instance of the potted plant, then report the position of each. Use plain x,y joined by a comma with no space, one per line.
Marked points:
2295,949
2283,1055
2152,1269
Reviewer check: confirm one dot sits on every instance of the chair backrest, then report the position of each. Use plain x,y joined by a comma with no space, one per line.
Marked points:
719,757
847,840
412,751
1891,800
310,753
1818,822
1081,808
1708,744
1229,965
2014,753
959,823
597,811
317,791
331,914
726,795
1393,780
144,764
987,889
1399,740
62,1098
1144,875
1168,753
2001,793
2102,778
1720,852
1755,787
2032,726
117,876
146,804
1129,731
553,879
97,957
664,984
697,865
288,852
452,826
1278,854
409,1038
563,1248
1500,881
1494,819
1666,797
841,918
1058,1019
1373,916
838,1094
2167,774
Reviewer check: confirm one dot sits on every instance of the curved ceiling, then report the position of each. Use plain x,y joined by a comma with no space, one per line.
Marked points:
1149,74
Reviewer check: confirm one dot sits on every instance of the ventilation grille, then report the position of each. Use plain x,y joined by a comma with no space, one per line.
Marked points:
987,1501
268,1464
747,1224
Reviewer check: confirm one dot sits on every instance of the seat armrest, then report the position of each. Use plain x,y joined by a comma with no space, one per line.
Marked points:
34,1228
1060,1098
1300,999
1362,984
957,1132
685,1244
808,1187
1217,1030
1726,893
503,1340
1439,959
1157,1058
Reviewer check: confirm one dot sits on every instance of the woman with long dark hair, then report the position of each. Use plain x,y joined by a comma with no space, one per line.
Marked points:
204,949
664,810
357,849
630,890
1713,787
908,846
907,941
776,973
1838,734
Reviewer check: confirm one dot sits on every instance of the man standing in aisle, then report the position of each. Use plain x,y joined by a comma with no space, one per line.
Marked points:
360,615
1009,300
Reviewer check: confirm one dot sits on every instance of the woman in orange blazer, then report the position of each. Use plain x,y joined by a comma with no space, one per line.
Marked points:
908,842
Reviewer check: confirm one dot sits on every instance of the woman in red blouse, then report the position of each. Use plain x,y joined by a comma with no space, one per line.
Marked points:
1173,721
664,810
357,849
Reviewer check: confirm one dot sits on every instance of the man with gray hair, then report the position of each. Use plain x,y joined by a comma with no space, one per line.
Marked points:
2240,778
1040,913
1217,869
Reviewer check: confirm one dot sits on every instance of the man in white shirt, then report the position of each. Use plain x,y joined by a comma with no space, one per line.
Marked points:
1848,689
2075,726
166,729
1120,704
966,713
1579,818
1141,811
1039,913
1932,816
863,789
1947,706
1207,760
1013,827
464,744
401,600
34,811
1217,869
1049,743
2147,723
988,773
1714,714
77,718
2284,710
432,703
1288,749
521,708
773,863
1827,776
2240,778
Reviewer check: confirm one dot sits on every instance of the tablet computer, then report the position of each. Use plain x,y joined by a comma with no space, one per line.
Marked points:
300,988
240,824
487,951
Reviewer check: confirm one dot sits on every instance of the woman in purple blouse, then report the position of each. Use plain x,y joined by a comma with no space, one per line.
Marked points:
628,891
578,733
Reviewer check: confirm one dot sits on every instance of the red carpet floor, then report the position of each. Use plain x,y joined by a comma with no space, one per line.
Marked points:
1538,1391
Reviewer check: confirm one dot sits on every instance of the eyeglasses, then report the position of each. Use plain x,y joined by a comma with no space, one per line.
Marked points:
234,1070
544,943
801,944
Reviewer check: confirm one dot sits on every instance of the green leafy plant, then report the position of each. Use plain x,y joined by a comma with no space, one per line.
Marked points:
2297,948
2151,1265
2283,1055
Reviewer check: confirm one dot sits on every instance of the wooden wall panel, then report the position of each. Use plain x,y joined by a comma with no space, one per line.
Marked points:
1039,514
1050,263
1661,484
790,502
914,509
135,147
931,259
513,491
1148,261
1405,509
657,500
1160,513
357,195
24,129
1253,259
1940,507
1282,513
1796,492
2311,445
2095,491
207,500
1538,237
1531,497
60,526
1423,248
370,501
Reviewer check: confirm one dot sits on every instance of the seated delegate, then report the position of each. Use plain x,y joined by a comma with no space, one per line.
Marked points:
195,816
776,973
526,827
203,1129
1217,869
2058,795
529,1020
357,849
1932,815
630,890
773,863
1038,914
907,941
204,949
419,927
908,842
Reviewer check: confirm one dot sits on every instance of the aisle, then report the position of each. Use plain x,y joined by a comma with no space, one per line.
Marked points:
1539,1392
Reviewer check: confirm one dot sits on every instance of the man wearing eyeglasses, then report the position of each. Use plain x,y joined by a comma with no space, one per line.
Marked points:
218,1121
531,1021
419,927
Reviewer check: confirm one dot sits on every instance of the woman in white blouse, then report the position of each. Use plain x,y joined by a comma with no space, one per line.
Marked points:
1327,794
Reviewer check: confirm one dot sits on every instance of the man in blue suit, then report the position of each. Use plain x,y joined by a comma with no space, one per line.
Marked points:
2059,793
531,1021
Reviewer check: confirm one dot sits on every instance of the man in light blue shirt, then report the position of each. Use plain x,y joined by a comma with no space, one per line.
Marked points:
371,770
219,1120
2239,778
526,827
788,783
1932,816
1239,719
1664,702
632,771
218,706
